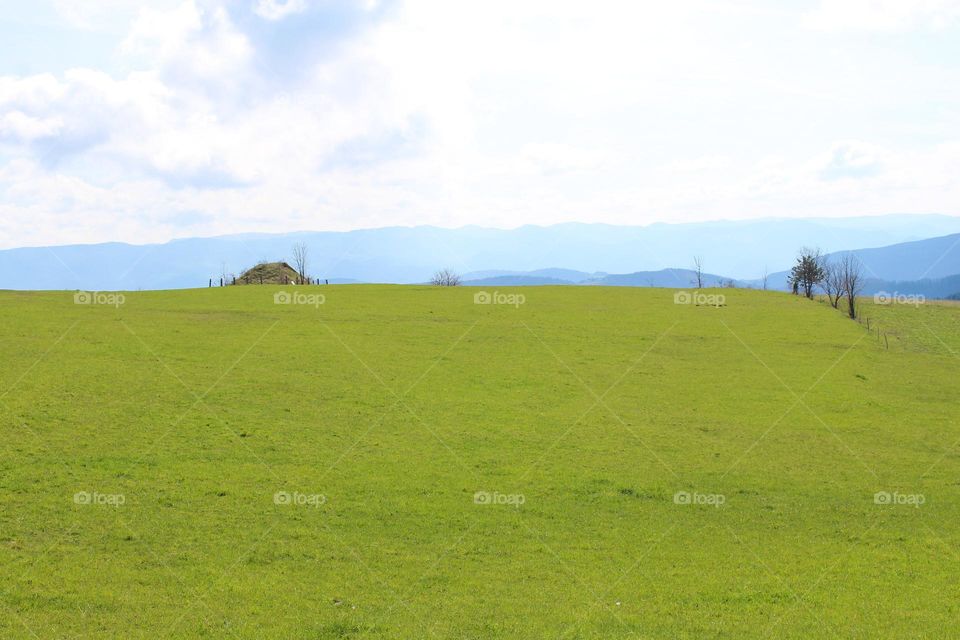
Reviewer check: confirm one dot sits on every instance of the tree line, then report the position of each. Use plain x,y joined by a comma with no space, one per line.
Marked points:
840,279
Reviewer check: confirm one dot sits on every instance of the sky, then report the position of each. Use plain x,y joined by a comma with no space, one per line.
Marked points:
146,121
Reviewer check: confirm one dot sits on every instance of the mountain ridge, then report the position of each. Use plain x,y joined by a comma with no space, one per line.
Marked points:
740,250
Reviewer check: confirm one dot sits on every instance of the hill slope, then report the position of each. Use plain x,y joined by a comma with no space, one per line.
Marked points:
389,462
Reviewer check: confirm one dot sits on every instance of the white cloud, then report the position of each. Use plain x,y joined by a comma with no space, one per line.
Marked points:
96,14
32,93
449,113
193,41
553,159
279,9
852,159
884,15
21,127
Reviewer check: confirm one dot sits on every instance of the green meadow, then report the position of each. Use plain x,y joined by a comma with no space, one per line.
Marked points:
402,462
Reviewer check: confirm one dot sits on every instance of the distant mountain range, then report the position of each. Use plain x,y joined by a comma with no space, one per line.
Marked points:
652,255
940,288
931,258
681,278
928,267
933,288
537,276
925,267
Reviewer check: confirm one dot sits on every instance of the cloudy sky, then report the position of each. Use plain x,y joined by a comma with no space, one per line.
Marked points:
145,121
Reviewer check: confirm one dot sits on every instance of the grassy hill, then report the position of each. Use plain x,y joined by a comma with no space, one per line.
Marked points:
400,462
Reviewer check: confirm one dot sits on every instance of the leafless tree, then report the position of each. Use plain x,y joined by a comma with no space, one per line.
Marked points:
446,278
766,277
300,261
698,271
832,283
851,273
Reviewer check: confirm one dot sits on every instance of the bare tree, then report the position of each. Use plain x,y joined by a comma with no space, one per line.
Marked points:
832,283
766,277
300,261
851,273
446,278
698,271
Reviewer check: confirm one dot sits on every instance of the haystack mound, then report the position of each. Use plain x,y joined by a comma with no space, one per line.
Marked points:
269,273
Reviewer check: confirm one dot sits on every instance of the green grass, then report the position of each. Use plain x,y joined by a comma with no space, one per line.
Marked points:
399,404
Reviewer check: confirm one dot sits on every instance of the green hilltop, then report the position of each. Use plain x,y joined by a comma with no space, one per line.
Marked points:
410,462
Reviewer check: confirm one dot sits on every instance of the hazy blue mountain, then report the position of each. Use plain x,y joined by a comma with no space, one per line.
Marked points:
941,288
678,278
566,276
738,249
514,281
916,263
931,258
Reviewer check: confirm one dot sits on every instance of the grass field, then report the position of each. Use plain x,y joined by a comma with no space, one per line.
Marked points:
400,462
